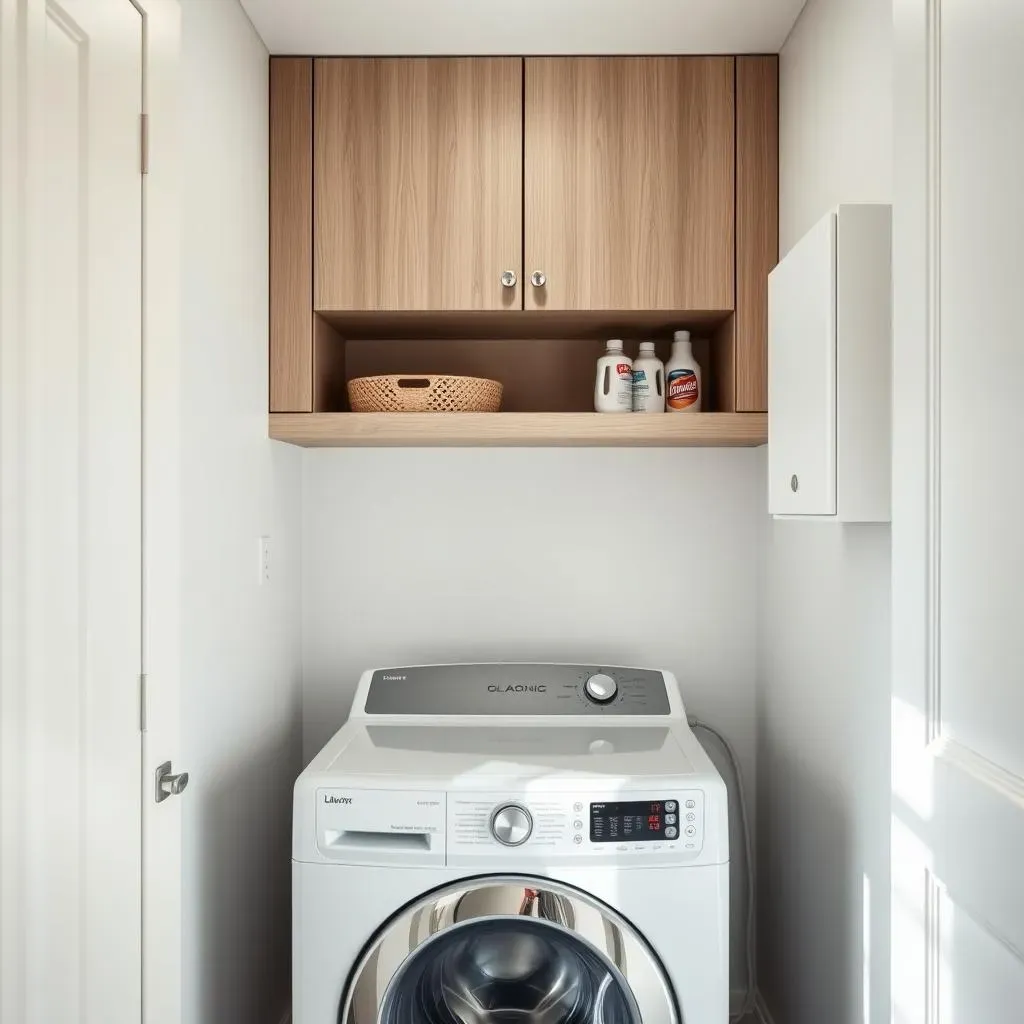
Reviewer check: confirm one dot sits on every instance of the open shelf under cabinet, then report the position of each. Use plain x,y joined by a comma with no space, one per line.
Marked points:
530,429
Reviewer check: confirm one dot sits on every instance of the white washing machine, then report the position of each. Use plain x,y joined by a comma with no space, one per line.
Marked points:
495,844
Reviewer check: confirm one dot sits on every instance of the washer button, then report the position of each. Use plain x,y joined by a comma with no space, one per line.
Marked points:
601,688
671,832
577,823
577,840
670,819
577,807
691,803
511,825
670,805
691,816
691,830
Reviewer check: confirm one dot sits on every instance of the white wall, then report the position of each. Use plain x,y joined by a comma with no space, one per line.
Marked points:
644,557
240,641
823,700
835,117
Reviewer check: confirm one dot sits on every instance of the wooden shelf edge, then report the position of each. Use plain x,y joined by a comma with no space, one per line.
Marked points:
561,324
508,429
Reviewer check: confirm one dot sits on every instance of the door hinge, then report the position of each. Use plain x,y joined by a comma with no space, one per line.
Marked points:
144,142
143,701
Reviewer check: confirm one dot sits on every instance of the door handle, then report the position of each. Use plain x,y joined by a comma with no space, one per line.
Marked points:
169,784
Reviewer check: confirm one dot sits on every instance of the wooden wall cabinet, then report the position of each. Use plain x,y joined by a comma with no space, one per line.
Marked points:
555,200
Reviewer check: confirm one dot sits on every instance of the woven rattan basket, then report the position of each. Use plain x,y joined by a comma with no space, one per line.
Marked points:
430,393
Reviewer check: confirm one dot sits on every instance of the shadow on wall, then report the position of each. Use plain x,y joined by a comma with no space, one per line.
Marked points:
242,830
823,779
827,975
817,983
739,869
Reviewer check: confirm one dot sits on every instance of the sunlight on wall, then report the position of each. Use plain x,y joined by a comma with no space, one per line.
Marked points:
946,914
866,948
911,861
913,889
913,767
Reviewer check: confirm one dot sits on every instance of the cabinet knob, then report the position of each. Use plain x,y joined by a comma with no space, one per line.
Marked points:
508,279
538,279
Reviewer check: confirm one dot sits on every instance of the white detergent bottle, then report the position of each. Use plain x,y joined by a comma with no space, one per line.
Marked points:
683,389
613,389
648,380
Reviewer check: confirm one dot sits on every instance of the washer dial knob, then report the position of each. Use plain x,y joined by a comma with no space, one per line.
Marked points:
601,688
511,825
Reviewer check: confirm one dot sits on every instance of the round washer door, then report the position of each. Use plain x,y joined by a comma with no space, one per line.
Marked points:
508,950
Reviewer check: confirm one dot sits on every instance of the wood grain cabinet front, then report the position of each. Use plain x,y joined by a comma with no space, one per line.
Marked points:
417,179
629,171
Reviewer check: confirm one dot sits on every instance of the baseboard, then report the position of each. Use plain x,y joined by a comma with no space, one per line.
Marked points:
761,1009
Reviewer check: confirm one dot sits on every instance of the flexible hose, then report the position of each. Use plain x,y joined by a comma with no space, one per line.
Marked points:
751,996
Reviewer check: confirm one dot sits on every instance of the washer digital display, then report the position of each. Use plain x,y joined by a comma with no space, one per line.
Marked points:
635,821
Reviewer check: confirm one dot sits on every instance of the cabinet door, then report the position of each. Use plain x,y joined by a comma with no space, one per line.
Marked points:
417,183
802,377
629,171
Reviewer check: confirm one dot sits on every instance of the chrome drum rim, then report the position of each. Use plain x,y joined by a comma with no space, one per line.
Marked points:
536,913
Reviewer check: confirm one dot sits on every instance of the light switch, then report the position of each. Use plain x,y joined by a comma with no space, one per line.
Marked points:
264,565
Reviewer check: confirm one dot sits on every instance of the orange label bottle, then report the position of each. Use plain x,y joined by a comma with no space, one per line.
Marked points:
683,391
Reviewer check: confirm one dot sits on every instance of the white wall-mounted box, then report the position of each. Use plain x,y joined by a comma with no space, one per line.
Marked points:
830,370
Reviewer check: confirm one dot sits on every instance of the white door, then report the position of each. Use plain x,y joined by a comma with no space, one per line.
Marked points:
958,492
71,474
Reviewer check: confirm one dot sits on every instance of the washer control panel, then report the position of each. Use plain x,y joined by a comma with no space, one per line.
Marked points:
482,826
636,821
487,823
603,691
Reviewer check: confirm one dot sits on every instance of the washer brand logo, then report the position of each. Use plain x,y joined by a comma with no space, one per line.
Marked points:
332,799
394,679
518,688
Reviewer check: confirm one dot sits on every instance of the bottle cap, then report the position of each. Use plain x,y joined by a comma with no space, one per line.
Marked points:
647,347
682,335
614,344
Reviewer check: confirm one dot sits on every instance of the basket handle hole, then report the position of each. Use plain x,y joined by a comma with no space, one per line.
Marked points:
413,382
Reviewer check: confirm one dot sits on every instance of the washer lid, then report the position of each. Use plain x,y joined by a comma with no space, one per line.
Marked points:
507,950
453,752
